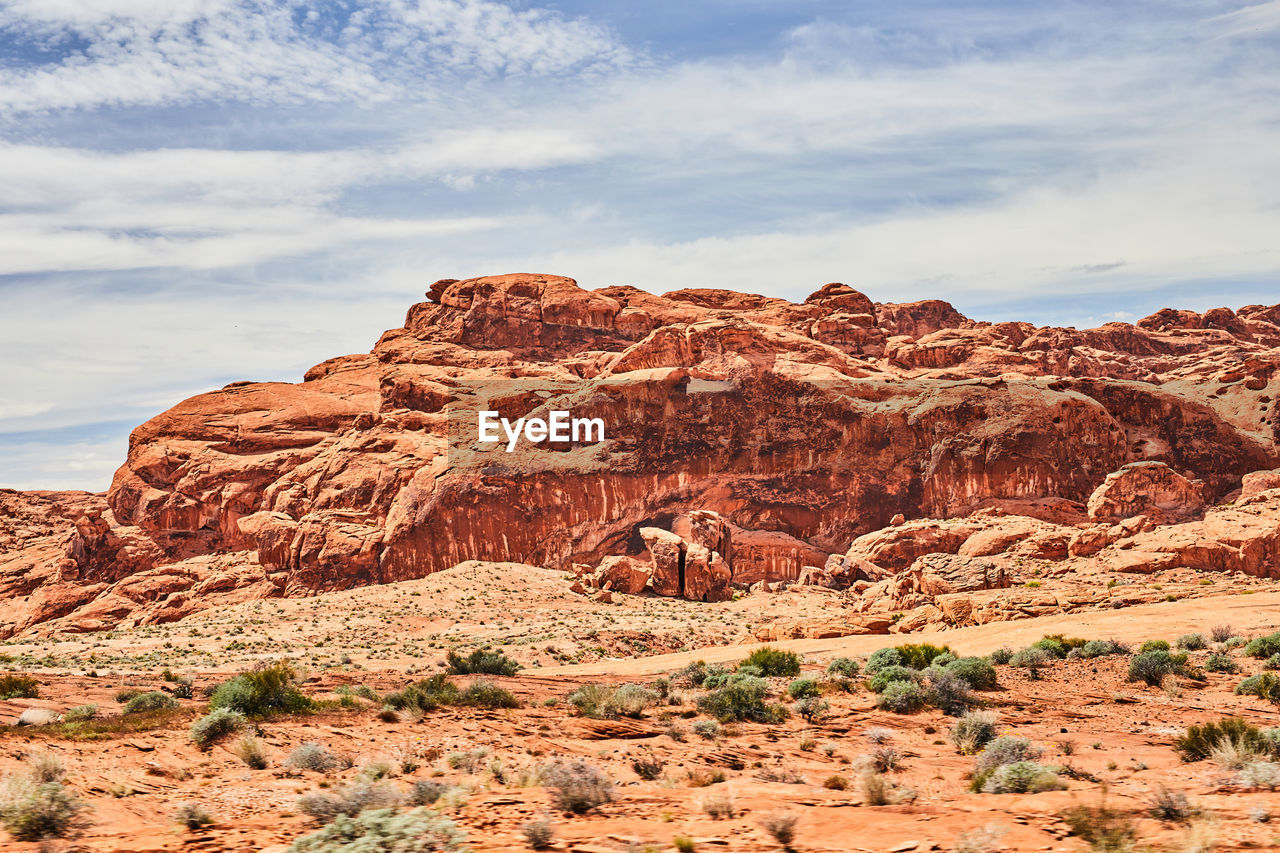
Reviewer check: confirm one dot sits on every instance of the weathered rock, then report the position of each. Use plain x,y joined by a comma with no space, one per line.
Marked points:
667,551
621,574
37,717
1146,488
706,575
1259,481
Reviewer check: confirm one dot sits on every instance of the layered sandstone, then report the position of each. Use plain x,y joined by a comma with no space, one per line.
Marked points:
803,425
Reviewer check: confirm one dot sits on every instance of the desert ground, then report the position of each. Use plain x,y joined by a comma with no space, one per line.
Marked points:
710,786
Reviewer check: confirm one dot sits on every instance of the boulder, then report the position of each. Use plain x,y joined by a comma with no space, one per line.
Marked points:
1146,488
621,574
667,550
38,717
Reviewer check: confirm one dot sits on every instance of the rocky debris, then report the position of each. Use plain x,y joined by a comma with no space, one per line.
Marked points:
1146,488
804,426
621,574
1259,481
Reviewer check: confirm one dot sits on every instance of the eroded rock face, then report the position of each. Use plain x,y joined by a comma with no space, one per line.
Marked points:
1146,488
806,426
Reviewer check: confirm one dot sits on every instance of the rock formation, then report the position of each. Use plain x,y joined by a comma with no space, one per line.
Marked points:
803,427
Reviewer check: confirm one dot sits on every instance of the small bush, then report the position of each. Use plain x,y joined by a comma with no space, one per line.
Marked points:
1199,741
324,806
773,663
1272,662
1256,775
18,687
976,672
782,826
1221,633
1263,647
707,729
718,806
316,757
843,668
1006,750
889,674
216,725
1169,805
1001,656
35,811
249,750
262,692
1031,656
538,834
1265,685
123,696
603,701
1022,777
577,786
481,662
920,656
80,713
1152,667
192,815
882,658
1192,642
153,701
1052,646
974,730
1101,827
1153,646
1220,662
803,688
835,782
486,694
385,831
425,792
1102,648
742,698
950,694
812,708
46,767
424,696
648,766
875,787
901,697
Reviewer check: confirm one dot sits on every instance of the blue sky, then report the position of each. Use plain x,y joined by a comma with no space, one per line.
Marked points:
199,191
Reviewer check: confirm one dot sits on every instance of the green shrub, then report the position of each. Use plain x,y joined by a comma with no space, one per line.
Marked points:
1220,662
891,674
1001,656
812,708
1006,750
153,701
901,697
123,696
1265,685
32,812
262,692
1263,647
1192,642
1152,667
193,816
949,693
363,795
80,713
882,658
425,695
742,698
974,730
1052,646
1022,777
707,729
215,725
1272,662
1102,648
773,663
1032,656
1200,740
385,831
802,688
605,701
577,786
976,672
921,655
481,662
18,687
1103,828
1153,646
843,668
486,694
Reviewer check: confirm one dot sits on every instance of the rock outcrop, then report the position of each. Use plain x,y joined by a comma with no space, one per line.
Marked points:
805,426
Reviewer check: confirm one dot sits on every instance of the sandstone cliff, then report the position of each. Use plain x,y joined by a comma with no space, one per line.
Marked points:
804,425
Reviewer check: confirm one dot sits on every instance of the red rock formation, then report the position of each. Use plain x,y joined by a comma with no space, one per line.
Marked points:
805,425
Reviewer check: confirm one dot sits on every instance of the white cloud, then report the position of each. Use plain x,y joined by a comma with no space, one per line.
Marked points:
150,52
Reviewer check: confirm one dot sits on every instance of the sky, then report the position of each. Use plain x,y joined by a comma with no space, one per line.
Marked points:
194,192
